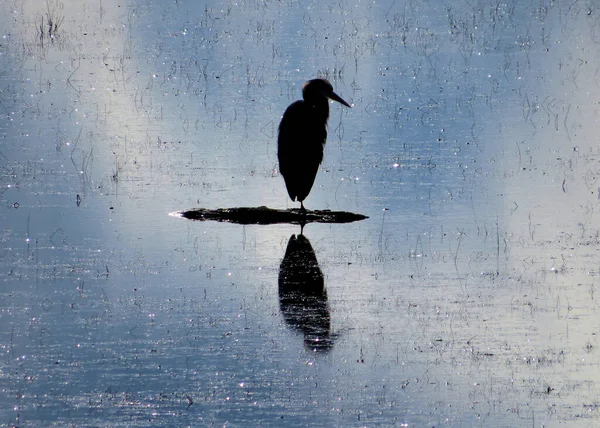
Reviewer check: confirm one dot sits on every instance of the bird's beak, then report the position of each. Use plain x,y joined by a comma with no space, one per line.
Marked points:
336,97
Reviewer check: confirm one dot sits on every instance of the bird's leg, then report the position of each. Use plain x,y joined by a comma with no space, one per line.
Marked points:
302,206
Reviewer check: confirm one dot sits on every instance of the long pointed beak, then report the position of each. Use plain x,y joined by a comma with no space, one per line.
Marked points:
336,97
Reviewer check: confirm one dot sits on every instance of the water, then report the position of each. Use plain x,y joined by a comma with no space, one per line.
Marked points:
468,298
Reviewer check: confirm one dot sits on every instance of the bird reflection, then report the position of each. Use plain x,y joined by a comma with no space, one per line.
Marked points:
302,136
302,294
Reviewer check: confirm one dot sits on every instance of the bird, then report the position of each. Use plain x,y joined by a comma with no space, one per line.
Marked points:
302,137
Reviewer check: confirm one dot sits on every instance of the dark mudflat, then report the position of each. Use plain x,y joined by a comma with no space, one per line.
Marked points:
264,215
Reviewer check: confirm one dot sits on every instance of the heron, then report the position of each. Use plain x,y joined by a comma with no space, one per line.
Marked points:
302,137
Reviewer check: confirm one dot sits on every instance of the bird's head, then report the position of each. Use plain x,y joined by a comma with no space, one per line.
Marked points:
317,88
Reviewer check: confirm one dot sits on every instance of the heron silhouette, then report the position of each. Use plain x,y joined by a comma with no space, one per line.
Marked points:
302,137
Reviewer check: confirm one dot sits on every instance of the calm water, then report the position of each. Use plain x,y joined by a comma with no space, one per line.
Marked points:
468,298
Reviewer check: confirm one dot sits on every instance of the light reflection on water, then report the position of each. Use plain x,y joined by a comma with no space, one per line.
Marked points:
467,297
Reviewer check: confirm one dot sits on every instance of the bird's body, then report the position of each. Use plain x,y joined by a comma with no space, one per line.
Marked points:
302,136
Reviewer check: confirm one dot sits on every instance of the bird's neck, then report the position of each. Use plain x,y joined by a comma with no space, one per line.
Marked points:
320,107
